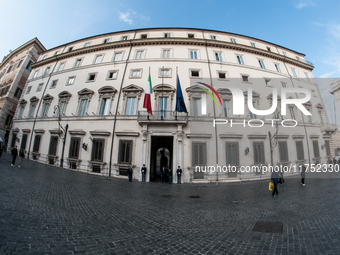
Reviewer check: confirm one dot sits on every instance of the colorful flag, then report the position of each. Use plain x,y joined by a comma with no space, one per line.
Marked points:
147,96
180,105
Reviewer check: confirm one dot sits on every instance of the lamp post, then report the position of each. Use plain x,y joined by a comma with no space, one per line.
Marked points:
273,142
62,133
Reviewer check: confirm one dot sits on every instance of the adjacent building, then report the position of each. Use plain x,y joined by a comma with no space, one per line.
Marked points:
82,106
14,71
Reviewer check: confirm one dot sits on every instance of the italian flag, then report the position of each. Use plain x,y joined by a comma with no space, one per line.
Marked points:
147,96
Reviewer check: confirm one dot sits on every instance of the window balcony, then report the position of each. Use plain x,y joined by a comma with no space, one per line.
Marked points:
166,117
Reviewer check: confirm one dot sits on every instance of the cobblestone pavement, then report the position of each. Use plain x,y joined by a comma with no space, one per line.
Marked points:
45,210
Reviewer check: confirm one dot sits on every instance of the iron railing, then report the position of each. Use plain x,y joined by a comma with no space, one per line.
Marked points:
162,115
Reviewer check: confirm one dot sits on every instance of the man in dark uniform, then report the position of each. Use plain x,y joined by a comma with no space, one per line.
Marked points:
179,174
130,171
163,174
275,179
143,170
170,176
166,174
303,174
1,148
14,155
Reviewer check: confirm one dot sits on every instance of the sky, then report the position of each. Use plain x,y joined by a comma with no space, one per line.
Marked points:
310,27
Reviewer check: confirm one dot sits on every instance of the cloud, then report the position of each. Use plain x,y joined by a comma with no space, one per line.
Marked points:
304,4
125,17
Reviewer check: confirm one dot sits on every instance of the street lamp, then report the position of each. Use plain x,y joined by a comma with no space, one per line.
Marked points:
62,132
273,142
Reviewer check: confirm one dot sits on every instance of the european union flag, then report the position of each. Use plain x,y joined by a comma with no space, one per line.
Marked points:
180,105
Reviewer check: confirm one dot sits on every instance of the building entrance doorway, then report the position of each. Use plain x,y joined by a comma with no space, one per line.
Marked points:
161,155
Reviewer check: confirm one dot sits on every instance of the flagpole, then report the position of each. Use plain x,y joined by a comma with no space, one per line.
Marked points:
176,90
162,72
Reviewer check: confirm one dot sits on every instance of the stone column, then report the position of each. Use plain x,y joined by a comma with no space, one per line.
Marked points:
179,152
145,154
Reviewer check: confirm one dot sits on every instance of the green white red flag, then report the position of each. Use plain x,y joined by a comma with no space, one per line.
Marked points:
147,96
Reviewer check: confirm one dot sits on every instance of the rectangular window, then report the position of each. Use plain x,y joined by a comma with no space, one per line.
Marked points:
30,115
106,41
28,89
253,45
71,80
165,73
87,44
54,84
125,151
232,153
299,150
213,37
18,92
78,61
62,108
227,108
245,78
105,106
166,53
61,67
44,57
144,36
70,49
193,54
40,86
283,151
14,138
35,74
45,109
267,81
9,69
195,73
74,148
19,64
284,85
162,107
222,75
82,107
91,77
21,111
53,146
316,149
9,120
277,66
23,141
112,75
167,35
56,53
36,144
307,77
47,70
232,40
191,36
328,148
292,113
124,38
297,58
261,63
268,49
130,106
218,56
135,73
197,106
284,53
98,150
294,73
199,154
28,67
258,153
118,56
240,59
139,54
98,59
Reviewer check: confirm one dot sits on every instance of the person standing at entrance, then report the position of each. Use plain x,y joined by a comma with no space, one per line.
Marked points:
166,174
170,175
179,174
275,179
130,171
14,155
163,174
21,156
1,148
143,170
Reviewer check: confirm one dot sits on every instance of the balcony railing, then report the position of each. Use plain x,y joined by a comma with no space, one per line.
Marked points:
162,115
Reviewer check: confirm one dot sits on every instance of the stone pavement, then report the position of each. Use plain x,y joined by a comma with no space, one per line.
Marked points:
46,210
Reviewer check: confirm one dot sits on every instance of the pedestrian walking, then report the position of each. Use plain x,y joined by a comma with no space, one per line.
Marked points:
179,174
14,155
170,175
143,170
275,179
1,148
130,171
21,156
303,174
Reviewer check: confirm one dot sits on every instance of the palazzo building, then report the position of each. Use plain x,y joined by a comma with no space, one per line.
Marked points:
82,106
14,71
